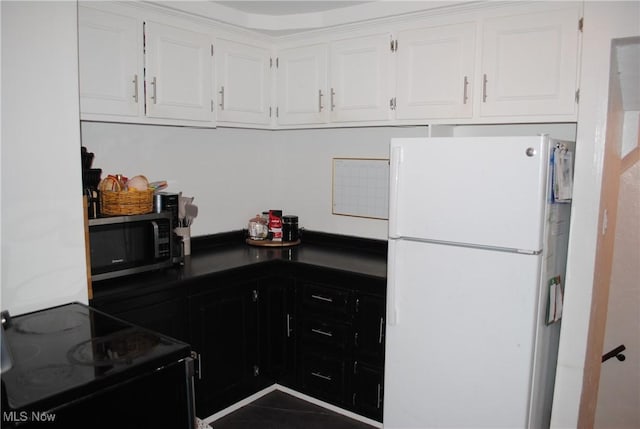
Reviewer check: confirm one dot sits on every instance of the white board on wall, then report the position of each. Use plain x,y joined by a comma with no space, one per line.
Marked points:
361,187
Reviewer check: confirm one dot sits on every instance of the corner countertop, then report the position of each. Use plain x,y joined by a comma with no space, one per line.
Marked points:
226,252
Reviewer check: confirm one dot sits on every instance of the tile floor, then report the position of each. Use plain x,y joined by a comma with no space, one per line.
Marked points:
279,410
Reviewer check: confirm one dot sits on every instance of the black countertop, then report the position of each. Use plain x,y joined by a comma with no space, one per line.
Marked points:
223,253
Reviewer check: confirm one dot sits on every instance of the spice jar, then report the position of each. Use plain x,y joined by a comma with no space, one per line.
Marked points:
290,228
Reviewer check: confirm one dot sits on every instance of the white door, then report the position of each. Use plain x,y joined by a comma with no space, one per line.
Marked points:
302,85
178,73
109,58
435,72
459,338
529,64
486,191
243,83
361,79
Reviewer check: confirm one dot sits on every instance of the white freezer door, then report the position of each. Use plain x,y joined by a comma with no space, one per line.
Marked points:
483,191
459,354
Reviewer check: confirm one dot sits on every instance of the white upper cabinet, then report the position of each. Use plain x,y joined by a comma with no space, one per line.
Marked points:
435,72
529,63
361,87
243,82
178,73
302,85
110,67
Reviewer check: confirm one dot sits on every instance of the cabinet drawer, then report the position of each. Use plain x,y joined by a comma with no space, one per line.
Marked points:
323,376
326,299
317,330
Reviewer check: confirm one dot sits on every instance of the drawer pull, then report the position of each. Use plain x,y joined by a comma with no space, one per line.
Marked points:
322,376
321,332
322,298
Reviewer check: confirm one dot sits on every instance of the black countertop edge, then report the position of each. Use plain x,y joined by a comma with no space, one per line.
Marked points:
318,238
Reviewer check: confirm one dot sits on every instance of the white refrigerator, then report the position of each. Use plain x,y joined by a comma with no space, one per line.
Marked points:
475,240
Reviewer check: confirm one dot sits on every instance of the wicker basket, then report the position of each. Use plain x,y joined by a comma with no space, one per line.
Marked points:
114,203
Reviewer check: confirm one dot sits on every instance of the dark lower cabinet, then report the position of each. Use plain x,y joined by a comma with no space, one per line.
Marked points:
316,330
224,332
323,376
367,390
340,339
277,328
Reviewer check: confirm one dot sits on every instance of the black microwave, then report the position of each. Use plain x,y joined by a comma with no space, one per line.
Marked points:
122,245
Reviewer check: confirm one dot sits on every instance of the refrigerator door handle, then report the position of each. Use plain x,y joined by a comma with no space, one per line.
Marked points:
392,293
394,181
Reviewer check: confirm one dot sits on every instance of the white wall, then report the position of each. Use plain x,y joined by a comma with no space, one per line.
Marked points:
43,253
235,173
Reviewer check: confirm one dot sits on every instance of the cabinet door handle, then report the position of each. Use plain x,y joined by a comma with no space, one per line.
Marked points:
322,298
288,326
379,400
464,94
322,376
135,88
381,330
321,332
484,88
320,106
221,92
154,95
196,356
333,94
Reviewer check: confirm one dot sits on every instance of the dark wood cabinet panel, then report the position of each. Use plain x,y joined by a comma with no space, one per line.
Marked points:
224,333
278,328
369,326
367,390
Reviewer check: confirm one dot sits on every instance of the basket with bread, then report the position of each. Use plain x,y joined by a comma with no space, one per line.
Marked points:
122,196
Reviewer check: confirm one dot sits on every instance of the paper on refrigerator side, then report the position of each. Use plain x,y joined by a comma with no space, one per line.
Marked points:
562,174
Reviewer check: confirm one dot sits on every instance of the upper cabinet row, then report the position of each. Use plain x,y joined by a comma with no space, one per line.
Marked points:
518,67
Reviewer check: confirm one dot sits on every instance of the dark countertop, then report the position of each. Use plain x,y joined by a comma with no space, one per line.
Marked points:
224,253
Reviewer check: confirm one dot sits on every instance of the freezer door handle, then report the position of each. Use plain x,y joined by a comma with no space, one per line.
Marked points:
392,293
394,179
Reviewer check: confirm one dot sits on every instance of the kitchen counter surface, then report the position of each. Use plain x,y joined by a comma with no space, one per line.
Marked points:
227,252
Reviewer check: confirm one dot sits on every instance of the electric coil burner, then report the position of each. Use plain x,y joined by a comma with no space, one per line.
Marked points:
74,366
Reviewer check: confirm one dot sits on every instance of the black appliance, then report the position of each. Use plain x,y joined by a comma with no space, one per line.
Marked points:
168,202
74,366
122,245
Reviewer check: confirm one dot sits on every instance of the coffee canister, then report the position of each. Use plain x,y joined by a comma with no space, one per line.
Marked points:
290,228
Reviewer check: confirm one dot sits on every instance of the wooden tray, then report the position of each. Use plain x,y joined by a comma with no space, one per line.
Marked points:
270,243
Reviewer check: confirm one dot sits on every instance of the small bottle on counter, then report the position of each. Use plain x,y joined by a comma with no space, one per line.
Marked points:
275,225
290,228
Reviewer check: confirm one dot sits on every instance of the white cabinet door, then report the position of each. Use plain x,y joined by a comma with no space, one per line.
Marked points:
109,58
361,79
302,85
529,64
435,71
243,83
178,73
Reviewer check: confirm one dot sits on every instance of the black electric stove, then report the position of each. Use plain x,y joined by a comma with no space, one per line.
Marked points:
74,365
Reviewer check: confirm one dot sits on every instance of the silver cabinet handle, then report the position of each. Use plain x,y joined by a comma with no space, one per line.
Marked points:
135,87
321,332
464,95
333,94
322,298
484,88
154,97
288,326
381,330
322,376
320,106
221,92
379,401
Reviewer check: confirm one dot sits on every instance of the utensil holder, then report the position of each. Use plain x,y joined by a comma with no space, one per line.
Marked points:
184,232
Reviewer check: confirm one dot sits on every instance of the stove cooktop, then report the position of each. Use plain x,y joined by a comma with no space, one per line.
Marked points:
75,347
